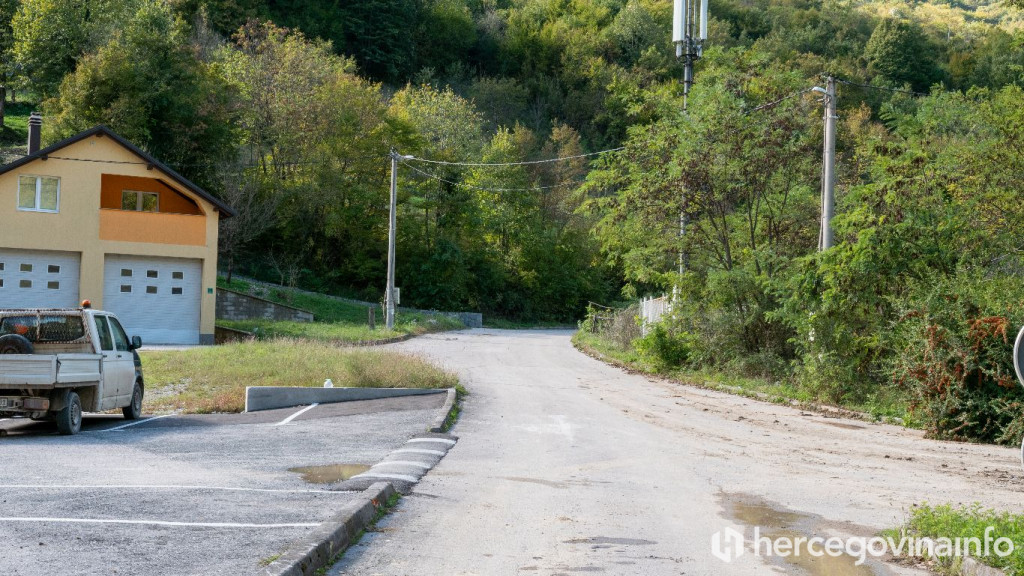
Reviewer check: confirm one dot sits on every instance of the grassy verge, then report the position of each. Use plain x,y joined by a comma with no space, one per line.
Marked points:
323,307
337,321
964,522
777,391
15,130
213,378
344,332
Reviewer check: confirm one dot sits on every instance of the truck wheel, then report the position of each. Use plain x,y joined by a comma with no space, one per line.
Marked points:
134,410
15,344
69,418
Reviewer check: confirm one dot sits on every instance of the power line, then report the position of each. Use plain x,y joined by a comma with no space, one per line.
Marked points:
779,101
901,91
523,163
486,189
18,156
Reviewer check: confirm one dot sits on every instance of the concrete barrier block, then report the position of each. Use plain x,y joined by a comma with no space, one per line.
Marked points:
274,397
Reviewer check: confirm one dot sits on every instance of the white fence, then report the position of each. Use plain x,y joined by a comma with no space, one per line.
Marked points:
652,309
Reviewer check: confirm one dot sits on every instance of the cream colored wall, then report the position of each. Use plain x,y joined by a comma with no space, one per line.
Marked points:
76,227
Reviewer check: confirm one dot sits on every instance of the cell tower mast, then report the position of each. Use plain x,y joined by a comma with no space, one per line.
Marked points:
689,31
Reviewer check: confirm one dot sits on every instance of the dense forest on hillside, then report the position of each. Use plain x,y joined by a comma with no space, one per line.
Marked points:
288,109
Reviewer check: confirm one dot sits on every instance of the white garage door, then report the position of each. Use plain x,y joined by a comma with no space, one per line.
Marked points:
155,298
38,279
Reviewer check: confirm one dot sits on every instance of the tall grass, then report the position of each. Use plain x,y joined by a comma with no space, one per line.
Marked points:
213,378
946,521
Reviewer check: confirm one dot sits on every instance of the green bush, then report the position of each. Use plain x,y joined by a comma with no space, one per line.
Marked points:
953,352
947,521
663,348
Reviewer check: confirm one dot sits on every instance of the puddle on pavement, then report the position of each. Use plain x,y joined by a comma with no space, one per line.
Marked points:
330,473
763,515
775,523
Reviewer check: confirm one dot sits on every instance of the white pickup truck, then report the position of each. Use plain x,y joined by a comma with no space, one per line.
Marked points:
58,363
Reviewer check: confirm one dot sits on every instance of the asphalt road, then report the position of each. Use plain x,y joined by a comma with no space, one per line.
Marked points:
183,495
567,465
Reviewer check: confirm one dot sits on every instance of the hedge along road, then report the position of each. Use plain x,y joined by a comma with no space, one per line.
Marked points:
568,465
184,495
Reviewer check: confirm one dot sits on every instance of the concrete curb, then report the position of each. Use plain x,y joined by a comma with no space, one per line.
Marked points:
272,397
405,466
442,416
315,551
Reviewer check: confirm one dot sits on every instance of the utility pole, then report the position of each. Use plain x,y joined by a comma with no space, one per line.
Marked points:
389,294
689,31
828,176
389,315
682,240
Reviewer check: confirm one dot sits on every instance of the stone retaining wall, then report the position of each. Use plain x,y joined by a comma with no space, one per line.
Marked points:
233,305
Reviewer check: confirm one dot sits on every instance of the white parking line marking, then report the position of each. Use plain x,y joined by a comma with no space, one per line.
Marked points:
136,423
420,451
447,441
161,523
297,414
396,463
388,476
159,487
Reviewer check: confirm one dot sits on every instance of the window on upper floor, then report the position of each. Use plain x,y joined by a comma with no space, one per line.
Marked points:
38,193
140,201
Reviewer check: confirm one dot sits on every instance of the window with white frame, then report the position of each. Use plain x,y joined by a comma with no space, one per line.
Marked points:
38,193
140,201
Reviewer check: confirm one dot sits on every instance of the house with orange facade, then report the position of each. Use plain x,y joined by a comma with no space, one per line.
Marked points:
94,217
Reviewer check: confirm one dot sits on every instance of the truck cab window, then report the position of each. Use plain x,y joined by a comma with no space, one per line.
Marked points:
120,338
103,328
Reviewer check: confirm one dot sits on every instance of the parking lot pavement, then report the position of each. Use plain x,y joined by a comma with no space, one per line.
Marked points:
197,494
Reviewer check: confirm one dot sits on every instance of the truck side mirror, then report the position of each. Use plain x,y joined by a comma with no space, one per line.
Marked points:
136,342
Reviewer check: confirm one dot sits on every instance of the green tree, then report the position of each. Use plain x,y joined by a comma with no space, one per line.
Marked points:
315,137
900,52
439,51
277,75
8,8
147,84
51,36
744,187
